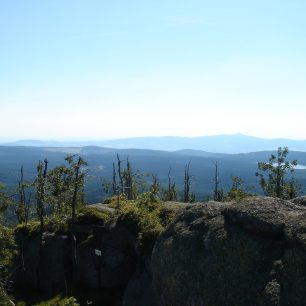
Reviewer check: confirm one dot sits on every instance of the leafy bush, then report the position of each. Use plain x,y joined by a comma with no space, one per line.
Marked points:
58,224
113,201
31,229
92,215
146,218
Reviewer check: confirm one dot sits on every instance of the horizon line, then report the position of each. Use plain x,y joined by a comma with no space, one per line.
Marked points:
59,140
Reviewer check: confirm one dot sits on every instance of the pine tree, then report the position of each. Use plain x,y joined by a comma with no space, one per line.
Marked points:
274,175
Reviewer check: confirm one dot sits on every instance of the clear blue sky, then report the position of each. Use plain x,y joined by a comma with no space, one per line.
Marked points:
74,69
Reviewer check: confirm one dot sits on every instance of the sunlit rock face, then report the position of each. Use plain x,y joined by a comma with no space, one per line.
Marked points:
247,253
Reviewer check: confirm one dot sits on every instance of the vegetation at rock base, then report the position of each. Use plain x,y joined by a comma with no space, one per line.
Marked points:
147,218
7,253
237,191
56,301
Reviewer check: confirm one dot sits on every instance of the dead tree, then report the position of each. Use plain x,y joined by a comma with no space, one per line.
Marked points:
171,192
116,191
42,169
40,209
76,168
216,180
120,175
155,185
22,208
187,184
114,181
218,193
128,180
78,184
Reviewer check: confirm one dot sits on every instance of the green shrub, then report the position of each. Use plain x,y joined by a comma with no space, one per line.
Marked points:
31,229
113,201
91,215
146,219
58,224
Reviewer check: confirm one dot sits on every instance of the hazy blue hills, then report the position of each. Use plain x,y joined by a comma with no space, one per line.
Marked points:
237,143
146,161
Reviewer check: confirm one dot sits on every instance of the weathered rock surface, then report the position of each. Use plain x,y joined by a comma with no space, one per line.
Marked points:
213,254
139,291
299,201
105,260
248,253
116,263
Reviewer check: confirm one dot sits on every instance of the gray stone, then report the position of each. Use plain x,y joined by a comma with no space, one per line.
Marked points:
247,253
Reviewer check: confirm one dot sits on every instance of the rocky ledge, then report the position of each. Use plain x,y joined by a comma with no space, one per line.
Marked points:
247,253
213,254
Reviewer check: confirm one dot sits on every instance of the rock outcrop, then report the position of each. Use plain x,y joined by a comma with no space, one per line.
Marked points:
105,257
214,254
247,253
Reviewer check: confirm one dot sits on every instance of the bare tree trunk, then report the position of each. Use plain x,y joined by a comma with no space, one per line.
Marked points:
114,180
41,179
216,190
187,183
129,180
76,189
169,183
120,175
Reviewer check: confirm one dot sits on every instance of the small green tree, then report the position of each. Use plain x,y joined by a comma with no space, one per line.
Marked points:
59,186
237,191
154,188
65,186
78,181
274,175
170,194
133,182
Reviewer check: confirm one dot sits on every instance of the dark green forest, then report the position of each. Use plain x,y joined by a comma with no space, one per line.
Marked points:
147,162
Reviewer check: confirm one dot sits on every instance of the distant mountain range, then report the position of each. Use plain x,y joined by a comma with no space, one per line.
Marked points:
230,144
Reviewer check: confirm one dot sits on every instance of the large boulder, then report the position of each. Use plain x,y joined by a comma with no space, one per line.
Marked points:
247,253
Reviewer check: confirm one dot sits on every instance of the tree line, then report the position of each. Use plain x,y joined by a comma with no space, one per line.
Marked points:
60,190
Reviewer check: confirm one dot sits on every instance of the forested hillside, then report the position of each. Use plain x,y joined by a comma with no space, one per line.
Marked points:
147,162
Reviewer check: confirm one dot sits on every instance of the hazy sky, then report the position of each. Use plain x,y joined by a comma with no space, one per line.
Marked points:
74,69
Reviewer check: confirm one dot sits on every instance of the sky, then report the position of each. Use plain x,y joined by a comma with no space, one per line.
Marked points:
88,70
